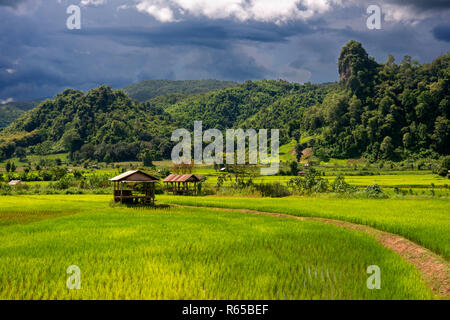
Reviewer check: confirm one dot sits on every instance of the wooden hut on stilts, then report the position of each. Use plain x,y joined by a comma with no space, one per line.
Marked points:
134,187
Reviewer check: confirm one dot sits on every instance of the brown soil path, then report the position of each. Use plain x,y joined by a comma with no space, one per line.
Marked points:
434,269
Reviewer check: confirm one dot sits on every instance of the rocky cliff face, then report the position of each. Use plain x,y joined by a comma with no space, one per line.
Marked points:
356,69
352,59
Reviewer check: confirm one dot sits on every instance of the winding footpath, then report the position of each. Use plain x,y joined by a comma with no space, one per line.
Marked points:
434,270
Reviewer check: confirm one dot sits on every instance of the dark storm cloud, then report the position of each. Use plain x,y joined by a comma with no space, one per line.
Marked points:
11,3
193,33
227,65
40,57
442,33
423,4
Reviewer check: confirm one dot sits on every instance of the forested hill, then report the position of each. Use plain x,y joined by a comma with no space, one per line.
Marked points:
141,91
148,89
384,110
103,124
107,125
256,104
377,110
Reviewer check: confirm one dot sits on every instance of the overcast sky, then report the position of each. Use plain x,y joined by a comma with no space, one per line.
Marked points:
121,42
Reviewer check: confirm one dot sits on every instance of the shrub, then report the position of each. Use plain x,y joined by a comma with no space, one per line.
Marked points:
321,186
164,172
64,183
312,182
273,190
339,185
96,181
5,189
57,173
77,174
443,172
375,192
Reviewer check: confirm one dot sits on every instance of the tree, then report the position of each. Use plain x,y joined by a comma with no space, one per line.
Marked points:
321,154
72,141
298,151
390,61
107,158
441,134
147,159
407,140
243,173
387,148
294,168
10,166
21,152
444,167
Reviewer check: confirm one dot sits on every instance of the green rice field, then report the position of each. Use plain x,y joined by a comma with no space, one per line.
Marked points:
424,221
197,253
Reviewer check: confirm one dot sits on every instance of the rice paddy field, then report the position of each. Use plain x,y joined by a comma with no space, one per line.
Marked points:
385,180
172,252
424,221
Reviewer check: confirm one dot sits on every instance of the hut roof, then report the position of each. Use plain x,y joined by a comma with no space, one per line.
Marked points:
134,176
15,182
182,178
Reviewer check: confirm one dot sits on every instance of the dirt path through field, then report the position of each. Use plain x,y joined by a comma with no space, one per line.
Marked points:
434,269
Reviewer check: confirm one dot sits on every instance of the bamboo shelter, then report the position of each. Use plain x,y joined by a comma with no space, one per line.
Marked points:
182,184
134,187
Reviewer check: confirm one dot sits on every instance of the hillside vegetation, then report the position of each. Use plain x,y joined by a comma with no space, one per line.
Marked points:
102,124
255,104
384,111
380,111
107,125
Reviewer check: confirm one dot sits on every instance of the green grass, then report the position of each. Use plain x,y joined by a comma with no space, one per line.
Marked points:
188,253
424,221
28,209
